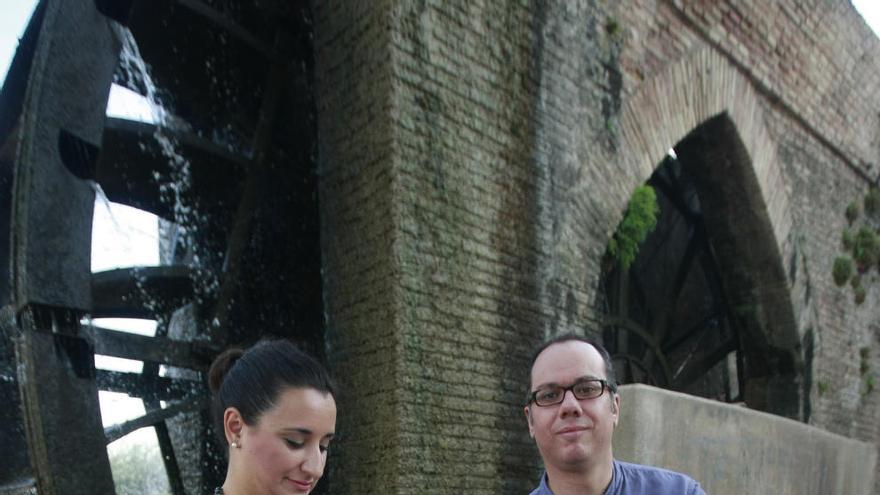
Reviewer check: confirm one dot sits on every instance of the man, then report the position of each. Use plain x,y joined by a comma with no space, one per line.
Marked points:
572,410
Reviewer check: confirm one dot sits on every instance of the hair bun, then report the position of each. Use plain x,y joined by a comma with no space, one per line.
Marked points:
221,366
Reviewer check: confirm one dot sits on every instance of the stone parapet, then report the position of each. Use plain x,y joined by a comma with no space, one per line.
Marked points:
733,450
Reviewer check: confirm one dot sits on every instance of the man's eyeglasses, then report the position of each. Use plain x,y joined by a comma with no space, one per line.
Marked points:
584,389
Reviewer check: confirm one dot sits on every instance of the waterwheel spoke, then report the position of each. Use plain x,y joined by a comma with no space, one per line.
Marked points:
659,322
194,403
691,371
150,374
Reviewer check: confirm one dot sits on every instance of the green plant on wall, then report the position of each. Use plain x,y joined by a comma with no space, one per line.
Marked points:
612,27
852,212
847,239
866,248
859,294
639,220
843,270
860,241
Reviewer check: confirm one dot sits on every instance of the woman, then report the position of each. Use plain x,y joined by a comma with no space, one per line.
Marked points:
275,408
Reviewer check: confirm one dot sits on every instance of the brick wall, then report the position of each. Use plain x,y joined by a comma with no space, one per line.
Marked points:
429,253
841,327
353,80
475,160
816,58
467,246
815,67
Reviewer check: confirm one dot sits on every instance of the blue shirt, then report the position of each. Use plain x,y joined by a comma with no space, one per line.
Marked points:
635,479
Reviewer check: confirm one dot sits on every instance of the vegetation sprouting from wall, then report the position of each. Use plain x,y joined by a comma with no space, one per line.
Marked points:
861,242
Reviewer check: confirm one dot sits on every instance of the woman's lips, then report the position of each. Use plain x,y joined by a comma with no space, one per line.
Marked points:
301,485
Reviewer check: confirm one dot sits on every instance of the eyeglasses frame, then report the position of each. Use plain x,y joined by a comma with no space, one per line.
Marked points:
532,398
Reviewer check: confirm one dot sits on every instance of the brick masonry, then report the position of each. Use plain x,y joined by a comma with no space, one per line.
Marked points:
475,158
357,238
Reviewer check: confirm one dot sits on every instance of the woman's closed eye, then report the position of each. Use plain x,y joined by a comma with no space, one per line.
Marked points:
298,444
294,444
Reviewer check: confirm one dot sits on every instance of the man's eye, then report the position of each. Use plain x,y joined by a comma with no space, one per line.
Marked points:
547,394
587,389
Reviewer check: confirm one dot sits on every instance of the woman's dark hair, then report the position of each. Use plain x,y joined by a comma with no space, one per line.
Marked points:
251,380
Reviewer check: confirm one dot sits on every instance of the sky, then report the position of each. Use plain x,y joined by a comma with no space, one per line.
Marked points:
870,10
14,15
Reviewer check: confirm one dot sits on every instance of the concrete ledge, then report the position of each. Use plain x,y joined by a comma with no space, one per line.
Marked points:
734,450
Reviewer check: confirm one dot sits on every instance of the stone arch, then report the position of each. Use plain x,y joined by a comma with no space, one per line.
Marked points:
711,110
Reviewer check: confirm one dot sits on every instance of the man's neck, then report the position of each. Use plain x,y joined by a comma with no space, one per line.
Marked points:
591,479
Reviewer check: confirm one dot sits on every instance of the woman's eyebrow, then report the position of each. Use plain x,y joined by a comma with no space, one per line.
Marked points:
306,431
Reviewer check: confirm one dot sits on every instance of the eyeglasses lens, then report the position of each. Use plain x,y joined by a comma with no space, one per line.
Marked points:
588,389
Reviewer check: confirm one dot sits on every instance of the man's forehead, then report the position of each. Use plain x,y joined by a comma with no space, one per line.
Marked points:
565,361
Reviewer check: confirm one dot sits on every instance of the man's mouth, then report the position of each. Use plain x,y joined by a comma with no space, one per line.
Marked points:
571,429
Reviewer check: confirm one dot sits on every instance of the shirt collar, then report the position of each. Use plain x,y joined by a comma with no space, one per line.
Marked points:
544,487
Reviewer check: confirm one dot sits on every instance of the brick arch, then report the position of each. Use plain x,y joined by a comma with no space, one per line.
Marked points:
712,111
685,96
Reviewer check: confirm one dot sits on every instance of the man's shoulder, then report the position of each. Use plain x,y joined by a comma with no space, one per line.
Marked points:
635,478
542,488
646,470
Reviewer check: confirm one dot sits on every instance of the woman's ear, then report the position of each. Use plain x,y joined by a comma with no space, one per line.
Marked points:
232,425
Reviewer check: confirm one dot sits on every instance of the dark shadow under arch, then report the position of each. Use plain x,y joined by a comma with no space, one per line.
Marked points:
740,264
742,236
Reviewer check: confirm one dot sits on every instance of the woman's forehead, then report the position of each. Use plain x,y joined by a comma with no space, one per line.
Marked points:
302,409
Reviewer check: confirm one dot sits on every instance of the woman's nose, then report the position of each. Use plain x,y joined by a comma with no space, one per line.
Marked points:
313,464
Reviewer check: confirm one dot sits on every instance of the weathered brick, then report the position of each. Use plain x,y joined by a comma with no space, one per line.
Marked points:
476,158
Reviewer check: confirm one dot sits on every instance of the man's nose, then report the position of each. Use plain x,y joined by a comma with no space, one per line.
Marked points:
570,404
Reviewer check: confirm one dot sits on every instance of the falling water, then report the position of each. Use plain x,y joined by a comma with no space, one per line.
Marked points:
174,189
136,70
180,180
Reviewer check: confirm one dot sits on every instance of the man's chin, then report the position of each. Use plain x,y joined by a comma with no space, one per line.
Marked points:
574,455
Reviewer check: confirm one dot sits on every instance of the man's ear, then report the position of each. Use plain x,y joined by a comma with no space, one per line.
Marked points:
528,412
233,423
615,408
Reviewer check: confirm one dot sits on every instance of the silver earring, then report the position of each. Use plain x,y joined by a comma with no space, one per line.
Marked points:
236,444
